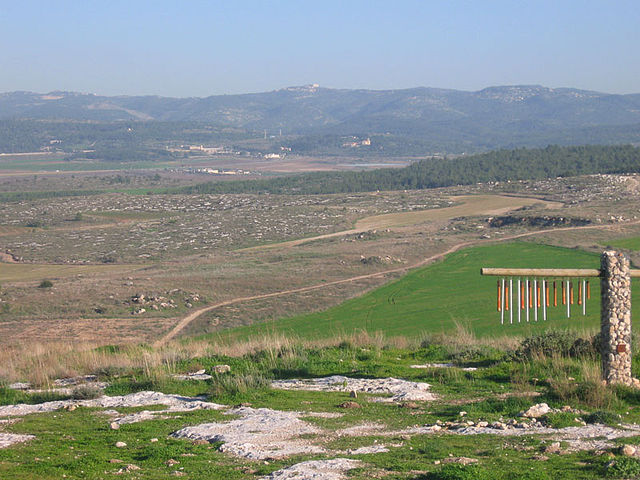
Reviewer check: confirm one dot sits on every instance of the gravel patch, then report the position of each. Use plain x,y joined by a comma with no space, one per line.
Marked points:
259,434
193,376
8,439
367,450
400,390
139,399
62,386
586,437
333,469
363,430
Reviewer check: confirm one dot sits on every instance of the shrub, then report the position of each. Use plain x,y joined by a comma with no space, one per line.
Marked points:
591,393
558,342
603,416
560,420
460,472
226,385
622,467
45,284
86,392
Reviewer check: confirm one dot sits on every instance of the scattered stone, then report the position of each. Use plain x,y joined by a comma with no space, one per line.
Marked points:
8,439
367,450
129,468
410,405
176,403
193,376
121,444
536,411
444,365
171,462
628,451
114,426
588,437
460,460
349,405
259,434
540,458
462,414
222,368
553,448
153,440
333,469
400,390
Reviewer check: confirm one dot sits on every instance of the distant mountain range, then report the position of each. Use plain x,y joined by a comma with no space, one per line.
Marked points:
503,116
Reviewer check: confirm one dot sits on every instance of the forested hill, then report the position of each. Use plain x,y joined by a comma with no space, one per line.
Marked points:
441,120
501,165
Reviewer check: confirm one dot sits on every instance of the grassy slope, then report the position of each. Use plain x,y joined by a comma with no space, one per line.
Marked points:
630,243
435,297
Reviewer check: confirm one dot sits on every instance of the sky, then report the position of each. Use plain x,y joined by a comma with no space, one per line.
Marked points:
186,48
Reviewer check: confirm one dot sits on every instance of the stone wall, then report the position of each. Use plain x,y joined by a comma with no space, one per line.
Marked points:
615,318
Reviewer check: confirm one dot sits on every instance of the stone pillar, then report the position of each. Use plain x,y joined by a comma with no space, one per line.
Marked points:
615,317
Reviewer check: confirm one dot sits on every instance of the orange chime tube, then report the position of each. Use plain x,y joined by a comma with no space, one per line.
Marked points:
579,293
588,291
555,294
571,291
499,296
522,299
506,298
530,294
546,294
538,294
564,294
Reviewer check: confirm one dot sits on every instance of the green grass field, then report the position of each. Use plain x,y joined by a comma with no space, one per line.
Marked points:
630,243
434,298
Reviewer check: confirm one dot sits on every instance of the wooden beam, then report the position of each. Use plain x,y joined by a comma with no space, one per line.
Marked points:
547,272
541,272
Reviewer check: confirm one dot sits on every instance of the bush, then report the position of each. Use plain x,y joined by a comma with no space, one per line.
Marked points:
591,393
560,420
558,342
622,467
460,472
45,284
86,392
603,416
226,385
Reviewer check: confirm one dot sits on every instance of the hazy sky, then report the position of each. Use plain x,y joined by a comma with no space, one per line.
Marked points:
197,48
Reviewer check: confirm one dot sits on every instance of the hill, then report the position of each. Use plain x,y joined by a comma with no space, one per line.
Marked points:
442,120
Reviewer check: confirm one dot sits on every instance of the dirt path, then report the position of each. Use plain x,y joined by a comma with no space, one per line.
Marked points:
471,205
192,316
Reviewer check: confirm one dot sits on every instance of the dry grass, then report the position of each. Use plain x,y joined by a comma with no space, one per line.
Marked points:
462,337
41,363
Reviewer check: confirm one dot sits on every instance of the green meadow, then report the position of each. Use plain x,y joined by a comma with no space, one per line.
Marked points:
435,298
630,243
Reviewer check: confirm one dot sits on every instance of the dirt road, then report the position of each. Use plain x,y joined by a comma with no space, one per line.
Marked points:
182,324
469,205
